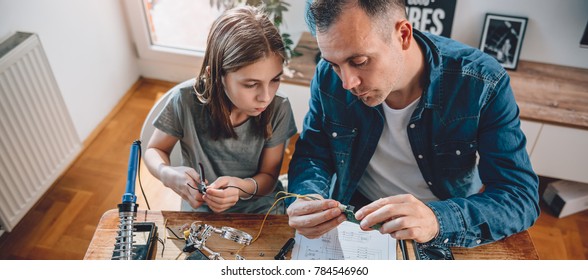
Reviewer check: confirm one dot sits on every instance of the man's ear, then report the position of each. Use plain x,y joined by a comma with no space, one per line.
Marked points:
405,33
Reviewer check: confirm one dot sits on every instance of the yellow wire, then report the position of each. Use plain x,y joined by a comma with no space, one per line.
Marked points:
286,195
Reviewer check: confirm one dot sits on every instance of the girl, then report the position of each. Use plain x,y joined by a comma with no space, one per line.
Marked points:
229,120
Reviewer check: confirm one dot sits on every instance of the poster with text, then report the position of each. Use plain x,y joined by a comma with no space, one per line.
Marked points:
433,16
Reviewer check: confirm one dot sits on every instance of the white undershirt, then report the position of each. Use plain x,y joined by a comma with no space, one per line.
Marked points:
393,168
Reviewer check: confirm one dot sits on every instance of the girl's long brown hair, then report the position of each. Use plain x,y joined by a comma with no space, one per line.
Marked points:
239,37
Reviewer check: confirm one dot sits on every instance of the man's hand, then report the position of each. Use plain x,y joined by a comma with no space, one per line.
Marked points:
404,217
313,218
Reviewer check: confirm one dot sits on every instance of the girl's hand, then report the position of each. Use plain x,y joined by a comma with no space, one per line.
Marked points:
220,196
179,179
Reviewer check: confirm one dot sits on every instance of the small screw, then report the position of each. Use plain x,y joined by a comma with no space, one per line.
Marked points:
261,254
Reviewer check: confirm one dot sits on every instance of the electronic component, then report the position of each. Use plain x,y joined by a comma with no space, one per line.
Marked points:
425,251
348,211
285,249
202,185
197,255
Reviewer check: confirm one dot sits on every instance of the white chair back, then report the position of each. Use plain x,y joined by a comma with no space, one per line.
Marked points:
148,129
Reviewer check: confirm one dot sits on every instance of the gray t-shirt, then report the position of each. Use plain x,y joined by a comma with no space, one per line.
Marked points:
184,117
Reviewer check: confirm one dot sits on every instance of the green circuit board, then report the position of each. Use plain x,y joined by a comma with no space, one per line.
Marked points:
351,217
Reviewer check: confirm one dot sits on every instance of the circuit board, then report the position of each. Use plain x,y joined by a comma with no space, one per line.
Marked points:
351,217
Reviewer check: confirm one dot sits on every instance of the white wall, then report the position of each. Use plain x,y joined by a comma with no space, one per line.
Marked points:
553,32
88,47
552,36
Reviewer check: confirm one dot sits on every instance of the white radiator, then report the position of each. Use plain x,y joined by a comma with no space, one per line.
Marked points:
37,138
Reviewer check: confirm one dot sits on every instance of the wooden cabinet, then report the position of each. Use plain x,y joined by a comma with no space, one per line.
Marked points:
553,101
557,151
561,152
531,130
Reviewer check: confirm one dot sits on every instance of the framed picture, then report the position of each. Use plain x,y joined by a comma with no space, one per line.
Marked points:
502,38
584,40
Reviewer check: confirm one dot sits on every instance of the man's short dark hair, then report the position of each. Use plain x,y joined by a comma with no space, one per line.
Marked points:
323,13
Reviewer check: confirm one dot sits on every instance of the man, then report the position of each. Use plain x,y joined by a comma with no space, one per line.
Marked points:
396,121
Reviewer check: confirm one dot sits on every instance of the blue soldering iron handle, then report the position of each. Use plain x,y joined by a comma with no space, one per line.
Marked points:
129,195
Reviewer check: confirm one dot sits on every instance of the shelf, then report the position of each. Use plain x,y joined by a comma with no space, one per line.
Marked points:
551,93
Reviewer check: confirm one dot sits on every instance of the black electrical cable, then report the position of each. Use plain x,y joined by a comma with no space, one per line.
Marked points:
139,177
226,187
170,230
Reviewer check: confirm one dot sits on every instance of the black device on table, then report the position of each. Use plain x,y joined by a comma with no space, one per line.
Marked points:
285,249
432,252
197,255
143,248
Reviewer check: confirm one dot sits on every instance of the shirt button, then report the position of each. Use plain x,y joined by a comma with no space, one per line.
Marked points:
430,184
458,152
334,134
342,161
412,125
420,156
446,240
478,241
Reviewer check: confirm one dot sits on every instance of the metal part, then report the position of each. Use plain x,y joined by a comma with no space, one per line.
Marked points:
198,233
236,235
123,247
124,240
202,185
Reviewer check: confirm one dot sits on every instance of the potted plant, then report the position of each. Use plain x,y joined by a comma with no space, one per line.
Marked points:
274,8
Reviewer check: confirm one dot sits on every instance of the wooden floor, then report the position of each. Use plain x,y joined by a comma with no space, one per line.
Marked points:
60,226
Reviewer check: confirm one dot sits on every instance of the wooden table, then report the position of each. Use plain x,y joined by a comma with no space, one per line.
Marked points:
273,236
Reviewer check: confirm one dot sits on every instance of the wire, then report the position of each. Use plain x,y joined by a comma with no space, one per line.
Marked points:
162,244
139,176
172,231
164,236
226,187
285,195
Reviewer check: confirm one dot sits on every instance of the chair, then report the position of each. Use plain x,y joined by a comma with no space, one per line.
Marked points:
148,129
160,197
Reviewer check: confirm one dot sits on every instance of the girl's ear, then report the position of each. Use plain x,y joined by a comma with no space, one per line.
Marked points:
208,71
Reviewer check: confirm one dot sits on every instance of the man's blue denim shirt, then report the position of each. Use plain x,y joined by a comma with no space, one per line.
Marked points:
467,109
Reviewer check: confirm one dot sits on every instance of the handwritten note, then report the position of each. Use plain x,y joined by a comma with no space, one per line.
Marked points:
346,242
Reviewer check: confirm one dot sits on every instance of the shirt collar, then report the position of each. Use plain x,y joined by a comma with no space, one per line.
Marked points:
433,66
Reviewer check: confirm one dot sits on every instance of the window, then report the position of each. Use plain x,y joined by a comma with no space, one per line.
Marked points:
170,35
179,24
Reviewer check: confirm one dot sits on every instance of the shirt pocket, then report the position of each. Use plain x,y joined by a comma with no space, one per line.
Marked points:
341,139
456,157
